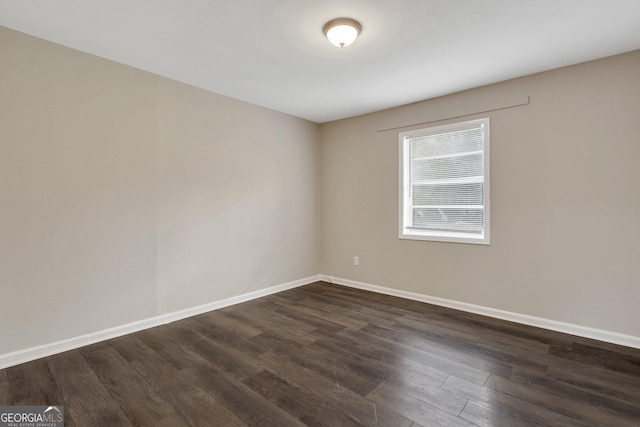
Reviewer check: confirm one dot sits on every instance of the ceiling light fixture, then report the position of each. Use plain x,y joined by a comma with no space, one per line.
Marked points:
342,32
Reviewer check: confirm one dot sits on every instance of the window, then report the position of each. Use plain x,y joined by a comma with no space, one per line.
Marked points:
444,183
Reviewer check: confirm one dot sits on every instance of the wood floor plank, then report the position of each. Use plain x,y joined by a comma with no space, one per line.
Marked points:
85,398
268,319
195,405
331,301
440,317
280,335
219,318
616,362
95,347
498,405
498,338
354,405
369,297
592,383
275,340
127,388
220,378
422,389
297,401
363,367
465,353
182,355
616,349
273,322
252,409
202,368
305,317
6,399
342,309
455,318
418,317
514,413
223,336
181,332
412,358
293,295
162,341
558,403
358,375
388,312
33,384
608,377
438,330
310,309
596,401
482,323
5,394
227,360
534,358
416,409
413,364
487,416
330,355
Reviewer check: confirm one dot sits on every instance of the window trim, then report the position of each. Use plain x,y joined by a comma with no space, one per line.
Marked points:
405,212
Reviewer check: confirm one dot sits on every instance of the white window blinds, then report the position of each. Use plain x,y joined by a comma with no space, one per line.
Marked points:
444,188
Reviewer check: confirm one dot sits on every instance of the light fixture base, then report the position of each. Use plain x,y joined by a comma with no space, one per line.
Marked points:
342,32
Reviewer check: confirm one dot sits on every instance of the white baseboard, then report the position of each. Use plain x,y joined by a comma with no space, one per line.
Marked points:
33,353
554,325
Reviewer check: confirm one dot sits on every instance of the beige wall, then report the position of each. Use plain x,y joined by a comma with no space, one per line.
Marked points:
124,195
565,200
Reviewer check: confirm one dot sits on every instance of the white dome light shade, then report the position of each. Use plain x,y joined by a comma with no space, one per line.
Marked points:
342,32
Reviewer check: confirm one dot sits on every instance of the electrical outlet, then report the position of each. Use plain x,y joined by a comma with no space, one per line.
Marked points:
356,260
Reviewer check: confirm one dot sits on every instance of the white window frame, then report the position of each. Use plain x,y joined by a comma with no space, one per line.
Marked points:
405,214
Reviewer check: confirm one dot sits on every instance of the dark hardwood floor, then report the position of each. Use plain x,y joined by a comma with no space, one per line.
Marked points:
328,355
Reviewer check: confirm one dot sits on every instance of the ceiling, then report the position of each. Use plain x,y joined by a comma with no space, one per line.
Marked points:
273,52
